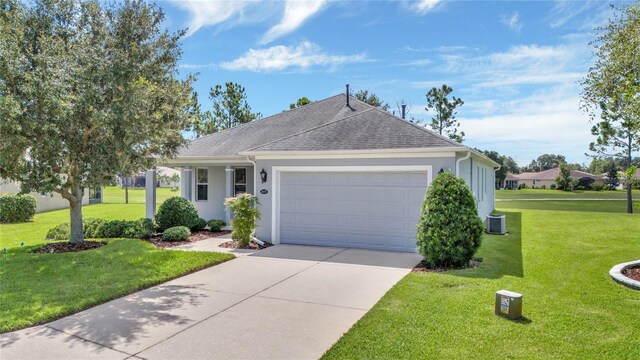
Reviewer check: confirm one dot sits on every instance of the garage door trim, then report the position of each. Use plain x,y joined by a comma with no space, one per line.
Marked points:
277,170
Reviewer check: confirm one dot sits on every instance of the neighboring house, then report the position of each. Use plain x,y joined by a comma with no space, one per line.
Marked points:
546,178
510,183
139,179
47,202
336,172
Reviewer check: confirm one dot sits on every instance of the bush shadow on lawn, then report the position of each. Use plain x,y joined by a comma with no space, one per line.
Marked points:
501,254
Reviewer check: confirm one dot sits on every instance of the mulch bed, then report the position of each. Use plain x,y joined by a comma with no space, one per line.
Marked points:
65,246
252,245
632,273
195,236
424,267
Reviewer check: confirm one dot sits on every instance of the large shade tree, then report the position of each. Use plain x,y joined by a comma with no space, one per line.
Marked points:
87,91
611,89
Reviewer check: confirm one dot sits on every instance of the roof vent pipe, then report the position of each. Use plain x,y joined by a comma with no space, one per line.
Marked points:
347,95
404,108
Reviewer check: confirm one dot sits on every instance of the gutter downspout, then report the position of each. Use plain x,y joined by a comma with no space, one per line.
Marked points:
255,186
466,157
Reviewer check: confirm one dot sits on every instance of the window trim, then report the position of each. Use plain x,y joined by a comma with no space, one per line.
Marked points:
235,193
199,183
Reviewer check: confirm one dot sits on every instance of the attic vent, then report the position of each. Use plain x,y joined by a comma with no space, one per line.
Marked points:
496,224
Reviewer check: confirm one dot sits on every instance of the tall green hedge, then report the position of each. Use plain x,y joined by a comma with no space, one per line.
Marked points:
17,208
449,231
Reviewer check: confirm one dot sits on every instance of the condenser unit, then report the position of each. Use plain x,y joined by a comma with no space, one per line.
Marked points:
496,224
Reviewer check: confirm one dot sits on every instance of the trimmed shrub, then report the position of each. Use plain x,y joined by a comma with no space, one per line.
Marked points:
200,224
245,215
216,225
141,229
59,232
176,211
597,187
90,227
449,231
115,229
585,183
17,208
553,186
176,233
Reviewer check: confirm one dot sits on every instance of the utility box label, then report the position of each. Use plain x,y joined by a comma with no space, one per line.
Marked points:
504,304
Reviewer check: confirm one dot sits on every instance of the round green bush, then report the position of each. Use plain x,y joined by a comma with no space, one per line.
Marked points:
200,224
59,232
177,233
449,231
176,211
17,208
216,225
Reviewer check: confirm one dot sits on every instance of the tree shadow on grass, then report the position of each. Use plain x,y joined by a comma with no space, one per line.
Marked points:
501,254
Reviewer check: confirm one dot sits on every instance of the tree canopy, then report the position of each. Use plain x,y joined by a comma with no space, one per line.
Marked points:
230,109
87,91
301,102
444,121
371,99
611,88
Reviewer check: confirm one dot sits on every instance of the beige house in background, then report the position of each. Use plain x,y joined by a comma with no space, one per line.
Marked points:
544,179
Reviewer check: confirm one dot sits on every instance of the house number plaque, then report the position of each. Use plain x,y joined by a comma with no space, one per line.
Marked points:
264,191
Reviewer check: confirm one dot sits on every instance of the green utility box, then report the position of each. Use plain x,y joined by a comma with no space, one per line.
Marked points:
508,304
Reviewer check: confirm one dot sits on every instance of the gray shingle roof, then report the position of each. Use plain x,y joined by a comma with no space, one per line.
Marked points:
322,125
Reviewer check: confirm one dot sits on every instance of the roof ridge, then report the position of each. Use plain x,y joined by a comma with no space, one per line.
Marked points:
405,121
311,129
264,119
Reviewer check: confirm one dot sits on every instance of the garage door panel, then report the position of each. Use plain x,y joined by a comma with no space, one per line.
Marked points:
375,210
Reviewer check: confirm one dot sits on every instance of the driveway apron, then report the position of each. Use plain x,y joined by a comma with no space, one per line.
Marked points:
283,302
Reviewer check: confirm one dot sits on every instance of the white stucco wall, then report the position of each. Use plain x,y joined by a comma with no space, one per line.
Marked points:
48,202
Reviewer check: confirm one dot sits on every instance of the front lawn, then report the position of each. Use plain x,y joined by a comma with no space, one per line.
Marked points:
36,288
559,194
559,261
613,206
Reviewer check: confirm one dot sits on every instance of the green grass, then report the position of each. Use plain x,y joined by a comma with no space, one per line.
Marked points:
116,195
612,206
33,233
36,288
558,194
559,261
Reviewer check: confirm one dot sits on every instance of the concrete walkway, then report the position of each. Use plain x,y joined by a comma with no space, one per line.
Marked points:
284,302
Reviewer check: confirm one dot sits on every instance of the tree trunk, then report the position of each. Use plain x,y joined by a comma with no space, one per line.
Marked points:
75,202
126,190
629,198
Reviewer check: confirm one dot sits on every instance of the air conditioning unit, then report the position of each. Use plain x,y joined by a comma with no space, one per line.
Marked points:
496,224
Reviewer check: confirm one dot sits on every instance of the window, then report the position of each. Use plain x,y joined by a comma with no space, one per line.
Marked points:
240,181
202,184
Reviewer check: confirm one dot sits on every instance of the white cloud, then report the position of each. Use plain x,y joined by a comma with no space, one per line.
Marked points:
277,58
547,122
512,21
423,6
296,12
206,13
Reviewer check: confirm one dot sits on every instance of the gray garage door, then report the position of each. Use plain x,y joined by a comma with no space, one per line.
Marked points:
371,210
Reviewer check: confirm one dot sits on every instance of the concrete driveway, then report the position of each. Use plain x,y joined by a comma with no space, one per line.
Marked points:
283,302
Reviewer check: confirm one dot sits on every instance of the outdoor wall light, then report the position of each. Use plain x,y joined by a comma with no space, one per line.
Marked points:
263,176
441,171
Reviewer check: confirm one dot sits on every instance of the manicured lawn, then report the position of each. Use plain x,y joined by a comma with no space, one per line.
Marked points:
553,194
35,288
116,195
559,260
613,206
33,233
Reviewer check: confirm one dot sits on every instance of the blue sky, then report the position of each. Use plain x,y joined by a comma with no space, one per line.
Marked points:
515,64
